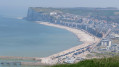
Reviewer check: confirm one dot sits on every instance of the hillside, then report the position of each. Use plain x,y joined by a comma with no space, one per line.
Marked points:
104,62
83,11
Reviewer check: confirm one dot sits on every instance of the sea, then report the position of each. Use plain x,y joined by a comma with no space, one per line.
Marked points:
23,38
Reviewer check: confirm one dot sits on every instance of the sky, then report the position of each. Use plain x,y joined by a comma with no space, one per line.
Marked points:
19,7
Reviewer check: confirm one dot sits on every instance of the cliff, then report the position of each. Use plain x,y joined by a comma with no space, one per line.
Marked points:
40,14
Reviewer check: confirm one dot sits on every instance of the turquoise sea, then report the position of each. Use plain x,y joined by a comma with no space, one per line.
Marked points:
28,39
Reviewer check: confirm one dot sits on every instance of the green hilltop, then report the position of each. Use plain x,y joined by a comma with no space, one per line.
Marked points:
83,11
103,62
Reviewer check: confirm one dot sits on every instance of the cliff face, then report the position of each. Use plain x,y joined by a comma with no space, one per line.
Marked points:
38,14
30,14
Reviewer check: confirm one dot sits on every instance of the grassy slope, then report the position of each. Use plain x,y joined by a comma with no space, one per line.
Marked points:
77,11
91,12
104,62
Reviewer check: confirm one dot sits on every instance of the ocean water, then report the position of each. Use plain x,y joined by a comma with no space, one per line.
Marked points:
28,39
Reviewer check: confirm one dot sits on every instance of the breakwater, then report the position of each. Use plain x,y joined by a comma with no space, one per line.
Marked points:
17,58
21,60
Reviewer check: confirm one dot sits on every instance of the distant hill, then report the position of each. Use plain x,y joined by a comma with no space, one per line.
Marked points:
109,14
104,62
91,11
83,11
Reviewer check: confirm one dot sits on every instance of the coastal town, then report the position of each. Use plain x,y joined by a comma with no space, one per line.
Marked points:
97,34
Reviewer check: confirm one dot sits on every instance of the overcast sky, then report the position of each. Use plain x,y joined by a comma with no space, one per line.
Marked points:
6,5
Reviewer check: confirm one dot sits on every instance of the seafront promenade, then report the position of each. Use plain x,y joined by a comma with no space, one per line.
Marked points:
78,51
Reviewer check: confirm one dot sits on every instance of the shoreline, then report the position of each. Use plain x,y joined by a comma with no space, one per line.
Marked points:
83,36
76,32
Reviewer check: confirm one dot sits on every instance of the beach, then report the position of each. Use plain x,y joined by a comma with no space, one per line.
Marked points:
86,38
83,36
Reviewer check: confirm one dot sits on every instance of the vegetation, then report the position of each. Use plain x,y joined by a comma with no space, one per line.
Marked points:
104,62
85,12
80,11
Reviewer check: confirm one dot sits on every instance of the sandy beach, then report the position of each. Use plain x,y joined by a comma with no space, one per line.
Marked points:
84,37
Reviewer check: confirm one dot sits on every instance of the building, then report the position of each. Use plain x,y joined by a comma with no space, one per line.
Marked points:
114,48
105,44
69,60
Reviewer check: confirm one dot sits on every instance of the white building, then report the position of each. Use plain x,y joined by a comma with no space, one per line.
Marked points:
70,60
105,44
